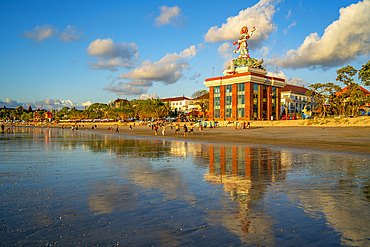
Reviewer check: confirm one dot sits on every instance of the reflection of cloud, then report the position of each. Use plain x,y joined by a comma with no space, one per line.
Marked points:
109,198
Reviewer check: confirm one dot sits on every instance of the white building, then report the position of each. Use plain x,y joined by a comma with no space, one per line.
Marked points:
182,104
294,98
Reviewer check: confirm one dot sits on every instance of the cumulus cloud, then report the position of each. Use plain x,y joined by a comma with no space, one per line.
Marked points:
170,16
87,103
122,88
343,40
40,34
259,15
70,34
292,81
9,103
109,56
56,104
146,96
167,70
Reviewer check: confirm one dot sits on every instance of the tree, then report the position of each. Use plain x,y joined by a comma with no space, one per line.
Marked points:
201,98
353,97
322,93
364,74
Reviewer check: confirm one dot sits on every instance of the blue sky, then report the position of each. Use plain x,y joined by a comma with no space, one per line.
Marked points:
74,53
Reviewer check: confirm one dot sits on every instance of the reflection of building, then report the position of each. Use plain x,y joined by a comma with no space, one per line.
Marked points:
244,94
245,173
294,99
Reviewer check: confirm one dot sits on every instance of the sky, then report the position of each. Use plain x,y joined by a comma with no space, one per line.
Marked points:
75,53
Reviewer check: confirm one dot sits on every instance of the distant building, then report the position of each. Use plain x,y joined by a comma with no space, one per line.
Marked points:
118,103
294,99
181,104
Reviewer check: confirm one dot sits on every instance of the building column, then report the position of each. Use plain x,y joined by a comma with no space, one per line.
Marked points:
260,102
269,103
248,100
278,103
234,101
222,102
211,104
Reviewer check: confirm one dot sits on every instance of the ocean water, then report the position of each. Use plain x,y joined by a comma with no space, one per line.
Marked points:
63,188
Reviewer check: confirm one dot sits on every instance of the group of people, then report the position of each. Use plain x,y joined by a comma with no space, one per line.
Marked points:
186,129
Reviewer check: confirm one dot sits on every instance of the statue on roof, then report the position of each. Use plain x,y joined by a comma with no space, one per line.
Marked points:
243,59
242,42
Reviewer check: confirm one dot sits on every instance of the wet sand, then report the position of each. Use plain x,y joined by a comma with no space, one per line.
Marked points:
344,139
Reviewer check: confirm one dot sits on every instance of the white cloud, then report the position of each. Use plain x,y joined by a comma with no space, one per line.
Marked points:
87,103
291,25
288,15
167,70
170,15
259,15
55,104
70,34
292,81
125,89
343,40
146,96
9,103
41,33
225,51
109,56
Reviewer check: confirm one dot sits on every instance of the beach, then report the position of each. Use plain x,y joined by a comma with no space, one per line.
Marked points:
344,135
325,137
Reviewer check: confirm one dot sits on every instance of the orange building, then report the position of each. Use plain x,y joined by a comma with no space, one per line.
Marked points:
244,93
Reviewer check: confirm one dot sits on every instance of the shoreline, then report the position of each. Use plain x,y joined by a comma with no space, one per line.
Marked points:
343,139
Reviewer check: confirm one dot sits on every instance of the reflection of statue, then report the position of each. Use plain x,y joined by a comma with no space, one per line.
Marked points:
242,41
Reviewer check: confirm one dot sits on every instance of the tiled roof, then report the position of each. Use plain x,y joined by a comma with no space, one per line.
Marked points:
175,99
295,89
345,89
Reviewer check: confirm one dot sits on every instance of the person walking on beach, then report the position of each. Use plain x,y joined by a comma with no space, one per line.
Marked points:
117,131
163,130
177,129
156,130
185,130
191,128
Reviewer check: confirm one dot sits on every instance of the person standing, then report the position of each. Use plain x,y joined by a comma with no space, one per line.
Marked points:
117,131
191,128
177,129
163,129
156,130
185,130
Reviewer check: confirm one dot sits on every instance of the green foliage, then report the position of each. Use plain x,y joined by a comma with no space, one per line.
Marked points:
364,74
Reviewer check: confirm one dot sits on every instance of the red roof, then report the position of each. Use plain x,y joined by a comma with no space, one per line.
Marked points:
296,89
175,99
345,89
118,100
